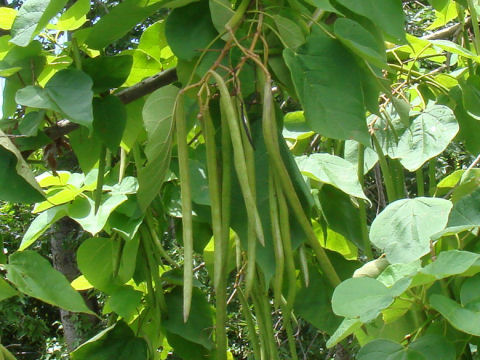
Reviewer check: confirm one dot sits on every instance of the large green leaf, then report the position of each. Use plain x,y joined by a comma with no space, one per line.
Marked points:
471,96
7,17
108,72
362,298
109,120
33,275
313,304
434,346
122,18
41,223
469,126
157,118
466,211
290,32
82,210
189,30
74,17
143,66
346,328
32,17
199,325
36,97
370,157
427,347
117,342
134,129
17,182
427,136
461,318
71,90
333,170
31,122
448,263
221,12
125,302
86,148
95,261
469,295
380,349
6,291
403,229
153,40
328,82
387,14
360,41
341,215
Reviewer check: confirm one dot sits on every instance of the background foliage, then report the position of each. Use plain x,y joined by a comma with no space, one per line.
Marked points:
251,179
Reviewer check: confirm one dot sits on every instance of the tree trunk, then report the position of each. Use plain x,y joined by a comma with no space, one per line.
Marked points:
64,243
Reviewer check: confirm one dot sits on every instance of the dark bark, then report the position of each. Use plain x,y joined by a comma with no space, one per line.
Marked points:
63,243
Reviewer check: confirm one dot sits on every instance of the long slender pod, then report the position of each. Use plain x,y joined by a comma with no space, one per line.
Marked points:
156,240
304,265
152,265
264,303
262,324
186,199
361,203
273,150
226,186
290,266
214,190
100,177
277,242
252,333
220,244
239,156
251,232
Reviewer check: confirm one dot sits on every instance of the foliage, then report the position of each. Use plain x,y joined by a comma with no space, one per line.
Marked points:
287,157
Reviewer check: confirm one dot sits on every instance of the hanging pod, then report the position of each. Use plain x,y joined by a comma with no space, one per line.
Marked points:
186,199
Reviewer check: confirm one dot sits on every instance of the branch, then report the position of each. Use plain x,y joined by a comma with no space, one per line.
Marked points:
127,96
148,86
447,32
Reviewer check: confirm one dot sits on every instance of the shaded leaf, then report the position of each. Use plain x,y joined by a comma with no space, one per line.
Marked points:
332,97
360,41
291,34
461,318
116,342
108,72
6,291
189,30
71,90
110,117
199,325
386,14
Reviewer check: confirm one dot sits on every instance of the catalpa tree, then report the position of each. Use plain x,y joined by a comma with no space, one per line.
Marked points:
296,154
